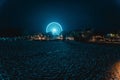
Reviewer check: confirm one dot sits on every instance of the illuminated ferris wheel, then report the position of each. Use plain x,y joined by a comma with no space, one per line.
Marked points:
54,27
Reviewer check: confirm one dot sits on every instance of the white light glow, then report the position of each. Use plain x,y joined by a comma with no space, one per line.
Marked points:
54,30
54,27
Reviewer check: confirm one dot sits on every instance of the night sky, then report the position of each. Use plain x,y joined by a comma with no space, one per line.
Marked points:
32,16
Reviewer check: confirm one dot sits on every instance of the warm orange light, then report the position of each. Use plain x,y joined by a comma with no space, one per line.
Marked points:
39,38
115,71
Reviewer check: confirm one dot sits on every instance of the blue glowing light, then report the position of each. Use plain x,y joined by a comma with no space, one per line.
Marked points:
54,27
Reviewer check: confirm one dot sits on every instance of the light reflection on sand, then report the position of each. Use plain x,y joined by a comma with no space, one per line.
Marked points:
115,71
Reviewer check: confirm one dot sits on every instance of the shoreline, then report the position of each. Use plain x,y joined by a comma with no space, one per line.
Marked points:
117,43
97,42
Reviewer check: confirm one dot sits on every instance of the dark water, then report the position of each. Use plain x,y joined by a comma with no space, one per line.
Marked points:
57,60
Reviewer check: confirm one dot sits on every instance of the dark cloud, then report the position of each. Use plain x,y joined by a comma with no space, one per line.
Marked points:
2,2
